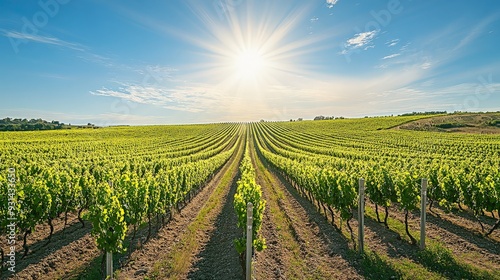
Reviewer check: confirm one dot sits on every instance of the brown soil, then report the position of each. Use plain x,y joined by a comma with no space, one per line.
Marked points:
270,264
218,258
461,233
322,251
69,249
143,260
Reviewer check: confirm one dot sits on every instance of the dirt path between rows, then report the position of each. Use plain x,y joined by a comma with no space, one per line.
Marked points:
218,258
315,251
68,249
154,258
452,231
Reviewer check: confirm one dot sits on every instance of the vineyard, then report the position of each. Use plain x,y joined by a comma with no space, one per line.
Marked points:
169,202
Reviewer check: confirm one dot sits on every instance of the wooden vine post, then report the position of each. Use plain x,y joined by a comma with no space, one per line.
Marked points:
361,215
423,203
249,241
109,265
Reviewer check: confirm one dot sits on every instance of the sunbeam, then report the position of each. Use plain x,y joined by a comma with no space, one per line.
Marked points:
249,49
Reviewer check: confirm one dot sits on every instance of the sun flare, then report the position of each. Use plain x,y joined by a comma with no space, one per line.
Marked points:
249,64
249,50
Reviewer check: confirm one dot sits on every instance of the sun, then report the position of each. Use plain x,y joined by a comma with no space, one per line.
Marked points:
245,49
249,64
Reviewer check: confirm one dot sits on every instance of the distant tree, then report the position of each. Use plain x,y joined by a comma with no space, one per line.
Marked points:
427,113
9,124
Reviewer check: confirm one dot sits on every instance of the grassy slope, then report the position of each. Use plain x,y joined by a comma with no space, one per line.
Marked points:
469,123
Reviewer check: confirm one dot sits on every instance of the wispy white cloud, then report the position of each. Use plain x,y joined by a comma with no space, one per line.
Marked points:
189,98
156,74
24,37
426,65
405,47
391,56
97,59
82,52
437,49
331,3
300,96
464,90
392,43
167,70
462,97
55,76
406,57
475,31
362,39
453,41
393,91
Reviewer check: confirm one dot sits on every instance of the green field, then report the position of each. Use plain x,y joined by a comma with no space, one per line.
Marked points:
124,183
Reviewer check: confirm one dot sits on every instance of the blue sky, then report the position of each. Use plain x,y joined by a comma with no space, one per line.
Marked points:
154,62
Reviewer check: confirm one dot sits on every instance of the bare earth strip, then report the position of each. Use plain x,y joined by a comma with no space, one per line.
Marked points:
171,253
457,232
69,249
312,252
217,257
